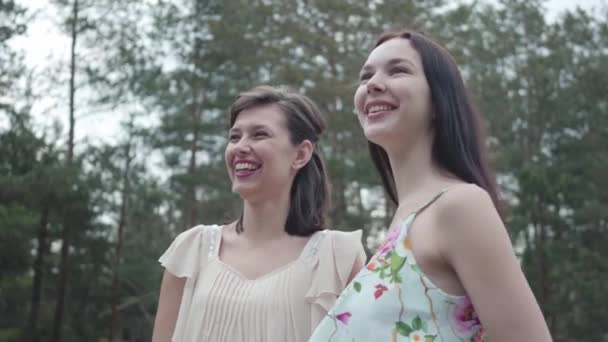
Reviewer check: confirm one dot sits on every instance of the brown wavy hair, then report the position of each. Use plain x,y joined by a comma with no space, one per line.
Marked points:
310,194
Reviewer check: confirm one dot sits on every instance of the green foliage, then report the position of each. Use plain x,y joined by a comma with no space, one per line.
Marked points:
174,67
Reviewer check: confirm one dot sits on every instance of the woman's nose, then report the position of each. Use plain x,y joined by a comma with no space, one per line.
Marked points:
375,84
243,147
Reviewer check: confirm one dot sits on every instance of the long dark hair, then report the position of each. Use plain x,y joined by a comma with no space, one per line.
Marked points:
309,195
459,142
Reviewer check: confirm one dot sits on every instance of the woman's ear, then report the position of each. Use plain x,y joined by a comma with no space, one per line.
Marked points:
304,152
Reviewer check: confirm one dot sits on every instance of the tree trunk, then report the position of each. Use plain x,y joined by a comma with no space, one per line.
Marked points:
66,233
32,330
72,122
189,212
190,198
540,240
117,258
195,117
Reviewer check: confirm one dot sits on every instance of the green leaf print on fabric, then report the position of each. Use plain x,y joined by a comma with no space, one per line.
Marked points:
403,329
396,263
416,331
388,266
418,324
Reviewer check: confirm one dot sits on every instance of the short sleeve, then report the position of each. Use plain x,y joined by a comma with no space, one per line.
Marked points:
333,264
183,257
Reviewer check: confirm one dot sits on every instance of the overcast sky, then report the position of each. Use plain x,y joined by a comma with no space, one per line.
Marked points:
46,46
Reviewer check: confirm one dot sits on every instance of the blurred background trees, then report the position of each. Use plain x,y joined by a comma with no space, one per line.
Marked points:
83,221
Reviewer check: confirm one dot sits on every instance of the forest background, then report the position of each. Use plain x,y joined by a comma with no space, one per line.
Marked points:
110,150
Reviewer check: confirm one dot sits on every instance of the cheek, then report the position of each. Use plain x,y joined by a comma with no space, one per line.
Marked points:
359,99
228,157
282,160
425,104
421,90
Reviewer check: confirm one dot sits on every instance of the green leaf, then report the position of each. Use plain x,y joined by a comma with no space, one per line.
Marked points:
397,263
397,278
383,272
417,323
430,338
357,286
403,328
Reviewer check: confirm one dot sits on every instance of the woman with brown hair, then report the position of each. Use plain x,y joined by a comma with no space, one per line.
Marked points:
271,275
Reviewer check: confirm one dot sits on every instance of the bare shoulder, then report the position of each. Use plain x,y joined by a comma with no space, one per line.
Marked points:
466,216
466,203
467,197
474,242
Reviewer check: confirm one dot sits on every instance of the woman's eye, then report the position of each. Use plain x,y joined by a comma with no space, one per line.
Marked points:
400,70
233,137
260,135
365,76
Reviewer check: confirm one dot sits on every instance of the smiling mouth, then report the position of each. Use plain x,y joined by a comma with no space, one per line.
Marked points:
377,110
244,169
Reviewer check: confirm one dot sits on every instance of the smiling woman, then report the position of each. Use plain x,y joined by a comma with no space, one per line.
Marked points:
274,132
273,274
446,270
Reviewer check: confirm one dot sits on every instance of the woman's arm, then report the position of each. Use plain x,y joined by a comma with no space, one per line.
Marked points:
171,290
475,243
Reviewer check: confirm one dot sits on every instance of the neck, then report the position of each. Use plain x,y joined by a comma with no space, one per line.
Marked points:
264,220
414,170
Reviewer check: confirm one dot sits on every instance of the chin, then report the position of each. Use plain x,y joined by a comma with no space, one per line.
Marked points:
377,135
244,190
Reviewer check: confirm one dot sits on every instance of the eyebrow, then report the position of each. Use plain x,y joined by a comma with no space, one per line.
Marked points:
252,127
391,62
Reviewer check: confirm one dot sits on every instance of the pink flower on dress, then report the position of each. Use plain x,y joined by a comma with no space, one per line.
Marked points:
343,317
380,289
389,243
464,319
480,336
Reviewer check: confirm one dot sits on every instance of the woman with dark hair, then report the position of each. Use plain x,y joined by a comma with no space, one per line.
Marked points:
273,274
446,270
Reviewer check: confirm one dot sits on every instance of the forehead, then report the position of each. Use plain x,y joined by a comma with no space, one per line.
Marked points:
263,115
396,48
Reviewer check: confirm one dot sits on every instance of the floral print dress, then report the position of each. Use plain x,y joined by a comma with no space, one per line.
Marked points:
392,300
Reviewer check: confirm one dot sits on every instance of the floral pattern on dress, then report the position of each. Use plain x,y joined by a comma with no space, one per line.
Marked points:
417,330
463,318
391,299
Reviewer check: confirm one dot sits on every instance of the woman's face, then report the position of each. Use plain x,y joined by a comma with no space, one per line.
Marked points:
393,97
260,155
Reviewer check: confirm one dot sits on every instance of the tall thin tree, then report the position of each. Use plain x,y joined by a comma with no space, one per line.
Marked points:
67,227
122,223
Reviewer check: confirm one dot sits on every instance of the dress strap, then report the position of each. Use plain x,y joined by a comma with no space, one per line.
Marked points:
407,222
433,199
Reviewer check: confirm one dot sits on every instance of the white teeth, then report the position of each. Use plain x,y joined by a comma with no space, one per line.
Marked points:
245,166
378,108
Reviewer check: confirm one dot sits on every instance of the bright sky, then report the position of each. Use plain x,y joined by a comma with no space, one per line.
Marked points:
46,47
